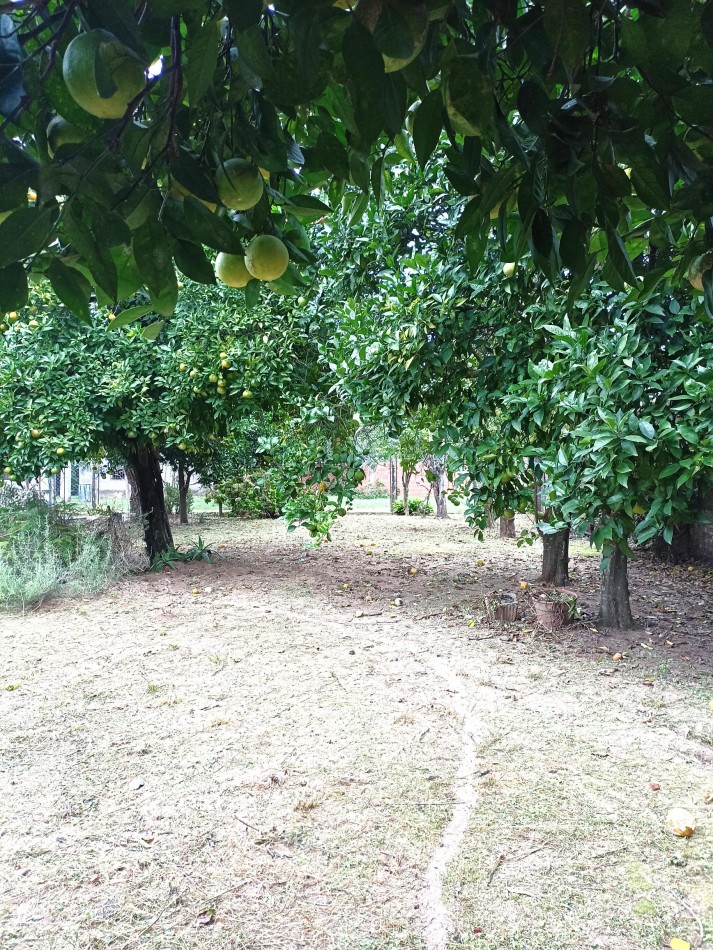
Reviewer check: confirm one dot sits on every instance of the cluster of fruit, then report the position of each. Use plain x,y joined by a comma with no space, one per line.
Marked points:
218,379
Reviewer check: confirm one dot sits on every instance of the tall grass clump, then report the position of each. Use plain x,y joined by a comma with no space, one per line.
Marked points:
47,552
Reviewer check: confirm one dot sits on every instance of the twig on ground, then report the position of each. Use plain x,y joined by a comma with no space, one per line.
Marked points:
694,915
493,871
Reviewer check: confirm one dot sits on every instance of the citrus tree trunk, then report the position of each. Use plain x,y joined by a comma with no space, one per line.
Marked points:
555,558
393,483
184,481
405,479
436,468
144,464
134,499
614,606
507,527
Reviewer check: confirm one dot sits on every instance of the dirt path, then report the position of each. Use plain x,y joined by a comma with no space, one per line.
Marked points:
267,753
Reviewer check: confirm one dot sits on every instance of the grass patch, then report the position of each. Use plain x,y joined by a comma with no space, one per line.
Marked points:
47,553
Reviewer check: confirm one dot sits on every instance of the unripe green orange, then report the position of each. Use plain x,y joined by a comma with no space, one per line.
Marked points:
266,257
230,269
117,60
239,184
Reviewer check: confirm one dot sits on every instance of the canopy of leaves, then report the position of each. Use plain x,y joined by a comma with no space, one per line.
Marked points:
584,128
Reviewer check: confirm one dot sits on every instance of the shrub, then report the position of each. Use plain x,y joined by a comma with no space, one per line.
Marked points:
43,553
250,497
172,498
377,490
416,506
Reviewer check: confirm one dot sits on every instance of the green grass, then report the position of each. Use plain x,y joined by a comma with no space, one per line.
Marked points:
34,566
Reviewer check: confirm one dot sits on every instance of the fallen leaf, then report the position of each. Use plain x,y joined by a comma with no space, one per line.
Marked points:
136,783
205,917
617,656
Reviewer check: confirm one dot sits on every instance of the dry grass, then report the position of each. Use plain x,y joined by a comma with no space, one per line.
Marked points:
270,764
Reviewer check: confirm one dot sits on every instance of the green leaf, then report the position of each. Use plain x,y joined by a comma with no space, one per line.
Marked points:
619,259
427,126
202,51
331,154
72,288
647,429
252,294
243,13
306,206
469,97
153,330
191,261
103,75
253,51
567,26
13,288
96,256
209,228
363,61
129,316
117,16
153,254
25,232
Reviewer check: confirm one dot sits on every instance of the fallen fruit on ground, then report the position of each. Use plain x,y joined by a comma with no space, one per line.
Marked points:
120,66
239,184
681,822
230,270
266,257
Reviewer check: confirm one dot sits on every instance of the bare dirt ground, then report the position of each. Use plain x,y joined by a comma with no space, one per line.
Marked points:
267,753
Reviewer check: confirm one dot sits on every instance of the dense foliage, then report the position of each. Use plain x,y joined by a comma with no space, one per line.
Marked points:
583,128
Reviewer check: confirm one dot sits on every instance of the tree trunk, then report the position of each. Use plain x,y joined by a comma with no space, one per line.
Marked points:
440,496
405,479
220,509
134,499
614,606
184,481
507,527
555,558
393,483
143,461
491,516
436,468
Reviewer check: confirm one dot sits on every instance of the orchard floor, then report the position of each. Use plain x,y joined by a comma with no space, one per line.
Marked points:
265,753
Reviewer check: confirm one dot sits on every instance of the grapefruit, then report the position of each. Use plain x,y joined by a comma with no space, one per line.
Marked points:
116,61
700,265
509,269
266,257
239,184
415,16
230,269
60,132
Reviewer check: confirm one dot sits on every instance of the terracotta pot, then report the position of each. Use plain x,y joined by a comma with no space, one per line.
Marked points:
551,614
502,607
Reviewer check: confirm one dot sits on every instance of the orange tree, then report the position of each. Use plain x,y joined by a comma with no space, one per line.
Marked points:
71,390
135,135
